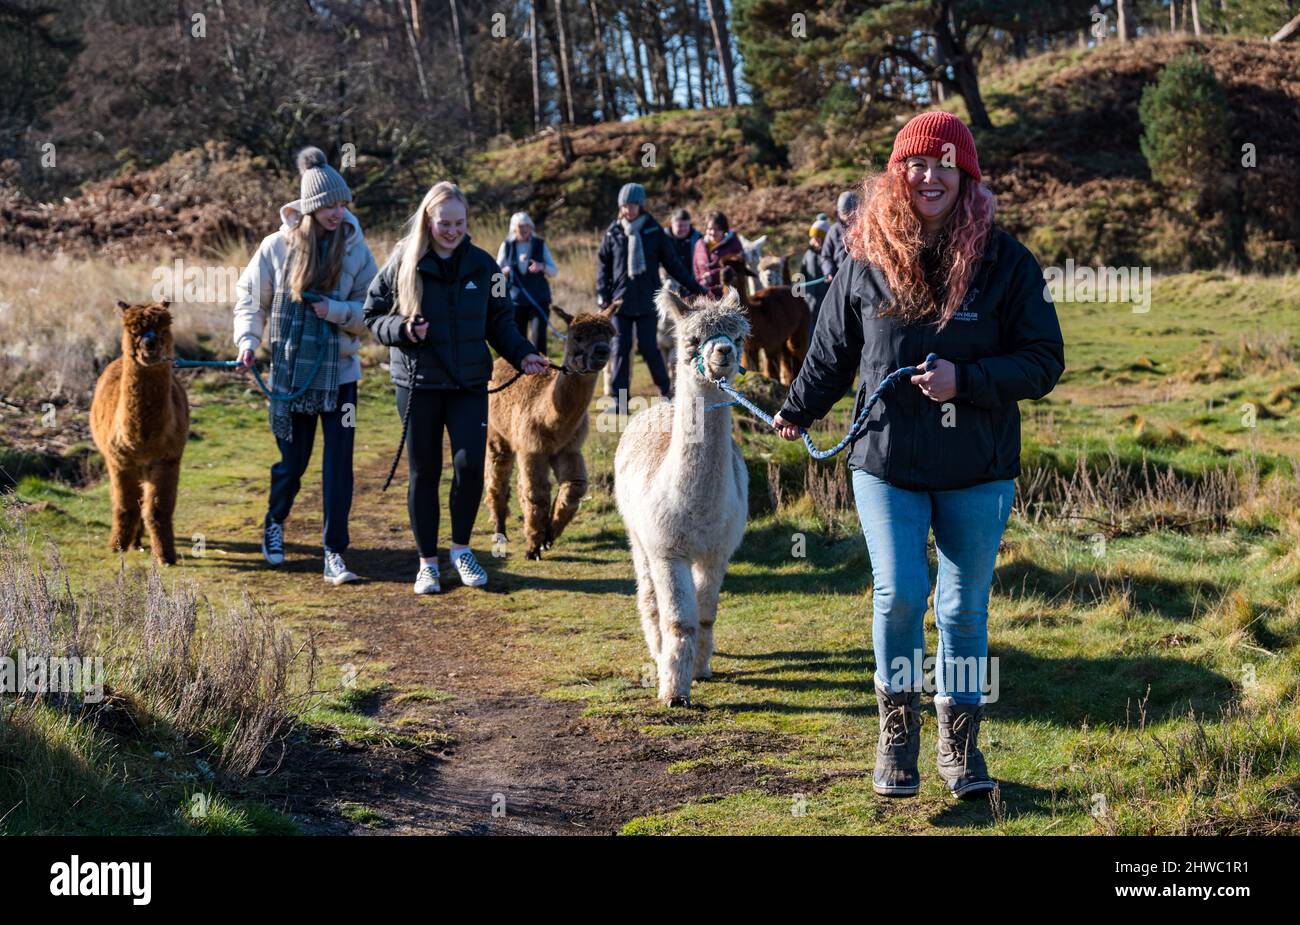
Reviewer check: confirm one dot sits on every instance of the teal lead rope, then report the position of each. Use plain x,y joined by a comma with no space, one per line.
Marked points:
858,423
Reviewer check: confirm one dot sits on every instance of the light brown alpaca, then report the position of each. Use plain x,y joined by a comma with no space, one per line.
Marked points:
140,419
778,320
542,420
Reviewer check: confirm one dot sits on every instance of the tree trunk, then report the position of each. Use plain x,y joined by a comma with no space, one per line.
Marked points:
701,53
722,40
685,31
415,50
965,79
1122,22
1196,18
607,110
458,39
1173,16
537,71
1290,29
565,81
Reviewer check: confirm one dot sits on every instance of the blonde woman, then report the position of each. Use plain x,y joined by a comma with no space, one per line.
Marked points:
435,306
311,277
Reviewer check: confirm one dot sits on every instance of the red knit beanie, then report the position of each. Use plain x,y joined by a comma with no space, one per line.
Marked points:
927,134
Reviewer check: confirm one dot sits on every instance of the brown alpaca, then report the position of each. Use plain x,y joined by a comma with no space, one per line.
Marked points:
778,324
140,419
543,421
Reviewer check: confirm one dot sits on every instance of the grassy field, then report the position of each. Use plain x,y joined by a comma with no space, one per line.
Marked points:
1145,611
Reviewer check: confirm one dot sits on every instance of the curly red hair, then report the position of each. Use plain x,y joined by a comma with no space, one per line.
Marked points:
887,232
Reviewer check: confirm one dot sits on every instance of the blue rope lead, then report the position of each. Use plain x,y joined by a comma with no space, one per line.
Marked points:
232,364
854,431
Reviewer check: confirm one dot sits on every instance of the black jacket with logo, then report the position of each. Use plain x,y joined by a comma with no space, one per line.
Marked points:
465,314
1004,340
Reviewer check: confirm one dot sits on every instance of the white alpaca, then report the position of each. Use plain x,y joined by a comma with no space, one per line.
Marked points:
682,488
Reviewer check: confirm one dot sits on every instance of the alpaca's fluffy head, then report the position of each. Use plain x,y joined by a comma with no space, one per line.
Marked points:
771,271
719,326
146,333
587,343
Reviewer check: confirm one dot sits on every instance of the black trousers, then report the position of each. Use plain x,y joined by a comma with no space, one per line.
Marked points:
463,415
336,468
530,323
647,338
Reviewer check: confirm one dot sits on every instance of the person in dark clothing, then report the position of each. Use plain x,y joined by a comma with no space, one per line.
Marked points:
833,254
813,287
528,265
683,238
627,268
930,273
434,306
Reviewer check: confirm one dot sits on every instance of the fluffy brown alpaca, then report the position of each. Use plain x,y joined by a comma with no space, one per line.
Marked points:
778,324
140,419
542,420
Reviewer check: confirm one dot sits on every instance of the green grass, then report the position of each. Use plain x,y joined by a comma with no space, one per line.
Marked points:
1148,683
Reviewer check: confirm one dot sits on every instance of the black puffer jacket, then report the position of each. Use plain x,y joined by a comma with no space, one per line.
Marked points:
638,294
464,316
1005,342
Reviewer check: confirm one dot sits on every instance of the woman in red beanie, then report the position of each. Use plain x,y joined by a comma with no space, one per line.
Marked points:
931,273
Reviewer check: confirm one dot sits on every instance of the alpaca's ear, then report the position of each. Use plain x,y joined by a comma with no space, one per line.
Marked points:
122,306
669,303
610,310
165,304
731,299
568,319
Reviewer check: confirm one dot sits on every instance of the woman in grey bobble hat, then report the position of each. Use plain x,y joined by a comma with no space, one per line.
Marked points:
310,277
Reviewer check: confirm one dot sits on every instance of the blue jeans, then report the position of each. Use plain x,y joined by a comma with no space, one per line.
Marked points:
968,525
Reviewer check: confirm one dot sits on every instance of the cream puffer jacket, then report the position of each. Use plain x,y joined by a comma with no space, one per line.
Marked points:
257,287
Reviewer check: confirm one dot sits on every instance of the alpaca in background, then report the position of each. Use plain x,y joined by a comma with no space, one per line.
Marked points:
682,488
140,419
780,323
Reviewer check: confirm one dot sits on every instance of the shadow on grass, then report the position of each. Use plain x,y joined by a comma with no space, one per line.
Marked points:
1065,692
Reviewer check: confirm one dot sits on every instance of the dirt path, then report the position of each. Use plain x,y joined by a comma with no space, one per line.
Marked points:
522,763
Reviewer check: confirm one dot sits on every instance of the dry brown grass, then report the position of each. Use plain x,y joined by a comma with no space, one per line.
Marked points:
226,678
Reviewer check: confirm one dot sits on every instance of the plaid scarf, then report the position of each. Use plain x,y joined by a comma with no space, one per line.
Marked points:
297,339
635,248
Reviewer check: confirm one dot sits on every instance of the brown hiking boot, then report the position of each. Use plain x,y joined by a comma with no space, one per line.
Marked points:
899,746
960,762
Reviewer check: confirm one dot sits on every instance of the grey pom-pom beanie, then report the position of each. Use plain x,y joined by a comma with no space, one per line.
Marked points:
321,183
631,194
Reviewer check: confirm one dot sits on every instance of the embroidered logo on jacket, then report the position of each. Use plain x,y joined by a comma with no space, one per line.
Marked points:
470,285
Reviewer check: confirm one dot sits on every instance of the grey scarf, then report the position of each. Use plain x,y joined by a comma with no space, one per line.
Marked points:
297,339
635,250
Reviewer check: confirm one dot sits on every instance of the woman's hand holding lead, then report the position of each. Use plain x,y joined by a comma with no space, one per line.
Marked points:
940,383
787,430
534,364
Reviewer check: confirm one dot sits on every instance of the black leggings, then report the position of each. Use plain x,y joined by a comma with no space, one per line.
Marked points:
464,415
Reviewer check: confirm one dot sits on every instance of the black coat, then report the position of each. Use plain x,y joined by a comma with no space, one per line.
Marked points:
811,269
1005,342
464,315
833,254
638,294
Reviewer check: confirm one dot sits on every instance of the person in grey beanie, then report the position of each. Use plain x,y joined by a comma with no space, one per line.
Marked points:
834,252
627,269
310,278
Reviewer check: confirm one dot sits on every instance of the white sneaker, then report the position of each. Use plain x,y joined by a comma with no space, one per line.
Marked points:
273,543
471,573
336,573
426,582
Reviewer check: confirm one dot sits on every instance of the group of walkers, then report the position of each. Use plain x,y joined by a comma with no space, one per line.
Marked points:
913,264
